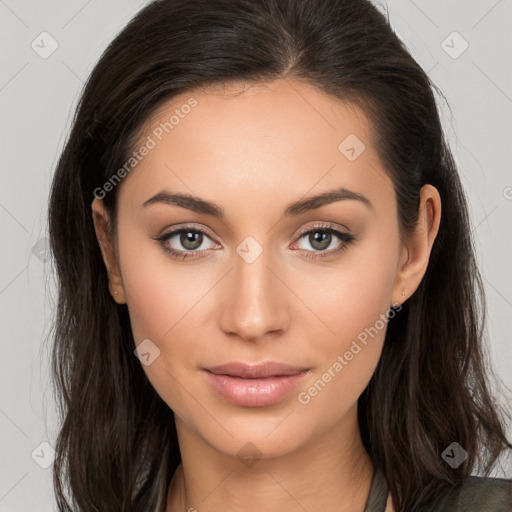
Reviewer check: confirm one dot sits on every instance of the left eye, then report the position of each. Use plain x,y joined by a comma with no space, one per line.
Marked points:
320,239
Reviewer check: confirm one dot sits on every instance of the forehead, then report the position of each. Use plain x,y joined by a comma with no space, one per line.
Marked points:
278,141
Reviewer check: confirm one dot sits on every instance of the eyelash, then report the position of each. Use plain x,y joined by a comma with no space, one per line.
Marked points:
346,239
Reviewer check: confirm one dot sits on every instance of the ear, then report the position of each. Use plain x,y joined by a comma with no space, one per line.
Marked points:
102,227
415,254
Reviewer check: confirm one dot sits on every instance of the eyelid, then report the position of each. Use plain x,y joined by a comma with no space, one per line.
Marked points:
175,228
178,228
324,225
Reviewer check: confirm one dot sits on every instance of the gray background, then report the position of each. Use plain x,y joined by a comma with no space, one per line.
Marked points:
37,98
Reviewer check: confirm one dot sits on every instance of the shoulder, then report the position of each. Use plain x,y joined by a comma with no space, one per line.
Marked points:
477,494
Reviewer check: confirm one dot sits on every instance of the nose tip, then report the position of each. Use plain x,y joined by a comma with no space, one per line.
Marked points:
252,305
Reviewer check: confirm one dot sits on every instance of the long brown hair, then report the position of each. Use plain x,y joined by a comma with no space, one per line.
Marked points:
117,448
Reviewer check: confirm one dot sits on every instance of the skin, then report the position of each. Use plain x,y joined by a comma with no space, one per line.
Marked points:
253,150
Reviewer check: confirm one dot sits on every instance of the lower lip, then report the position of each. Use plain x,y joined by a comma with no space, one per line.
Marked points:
254,392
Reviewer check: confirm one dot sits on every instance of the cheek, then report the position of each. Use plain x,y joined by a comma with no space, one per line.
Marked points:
160,293
352,295
161,309
354,307
166,303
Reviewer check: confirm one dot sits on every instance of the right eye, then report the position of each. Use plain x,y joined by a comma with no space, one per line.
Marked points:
189,238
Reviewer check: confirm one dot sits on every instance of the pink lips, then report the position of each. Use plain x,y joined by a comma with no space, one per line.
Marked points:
254,385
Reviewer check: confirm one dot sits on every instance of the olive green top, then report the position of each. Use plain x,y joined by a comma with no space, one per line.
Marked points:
477,494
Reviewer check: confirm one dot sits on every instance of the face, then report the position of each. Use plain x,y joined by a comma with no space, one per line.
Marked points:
251,279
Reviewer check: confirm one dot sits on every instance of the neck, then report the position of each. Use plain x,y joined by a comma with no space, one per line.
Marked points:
332,473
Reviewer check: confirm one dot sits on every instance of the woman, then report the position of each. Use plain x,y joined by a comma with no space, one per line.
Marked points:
268,295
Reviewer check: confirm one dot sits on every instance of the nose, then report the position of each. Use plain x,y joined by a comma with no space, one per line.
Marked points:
253,301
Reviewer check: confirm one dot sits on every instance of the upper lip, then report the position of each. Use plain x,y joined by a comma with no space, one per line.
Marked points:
255,371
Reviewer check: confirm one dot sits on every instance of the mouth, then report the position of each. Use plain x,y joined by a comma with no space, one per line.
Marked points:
255,385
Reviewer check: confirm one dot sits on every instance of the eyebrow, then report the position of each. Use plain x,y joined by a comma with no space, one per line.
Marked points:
199,205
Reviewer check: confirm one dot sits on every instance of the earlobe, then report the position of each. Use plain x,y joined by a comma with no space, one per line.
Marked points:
419,245
101,220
